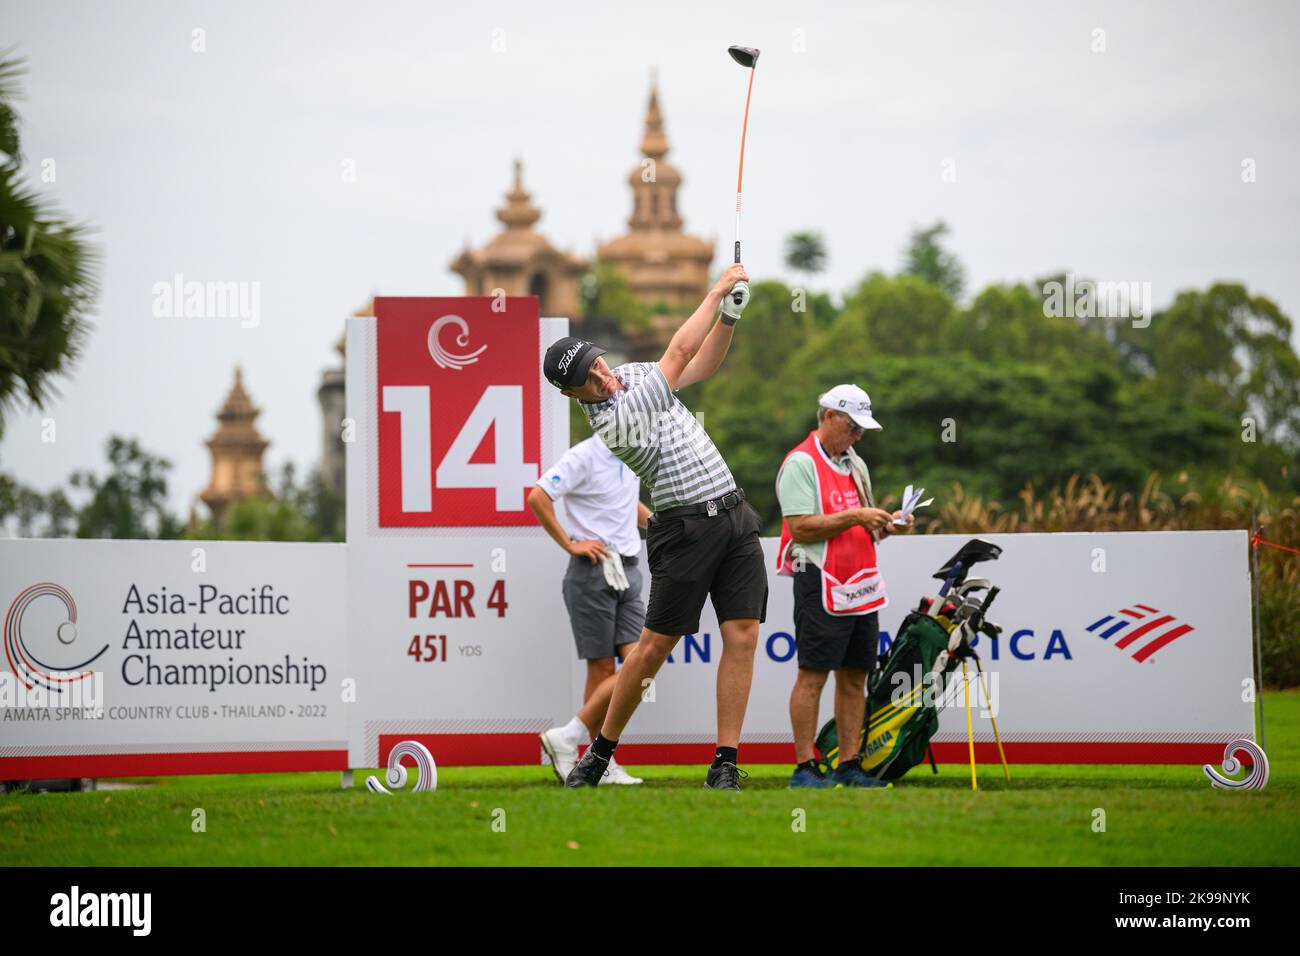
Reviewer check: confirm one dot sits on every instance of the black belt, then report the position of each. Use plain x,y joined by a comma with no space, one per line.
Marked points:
628,559
712,508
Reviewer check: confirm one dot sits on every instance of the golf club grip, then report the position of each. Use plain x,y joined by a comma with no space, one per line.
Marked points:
988,599
737,252
952,576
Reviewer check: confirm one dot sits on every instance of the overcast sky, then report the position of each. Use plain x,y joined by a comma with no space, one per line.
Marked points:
227,165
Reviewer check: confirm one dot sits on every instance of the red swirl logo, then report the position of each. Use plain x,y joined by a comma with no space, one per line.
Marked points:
26,666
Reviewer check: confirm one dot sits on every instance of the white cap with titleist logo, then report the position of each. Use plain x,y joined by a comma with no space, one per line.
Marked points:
854,402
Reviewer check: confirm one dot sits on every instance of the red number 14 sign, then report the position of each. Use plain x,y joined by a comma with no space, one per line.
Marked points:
459,411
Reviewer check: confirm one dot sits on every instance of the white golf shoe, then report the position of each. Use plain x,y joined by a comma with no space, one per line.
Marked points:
562,751
616,774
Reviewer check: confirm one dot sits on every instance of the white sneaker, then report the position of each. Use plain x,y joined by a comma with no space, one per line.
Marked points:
563,753
616,774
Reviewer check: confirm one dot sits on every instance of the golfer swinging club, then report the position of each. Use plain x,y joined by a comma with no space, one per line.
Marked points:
702,540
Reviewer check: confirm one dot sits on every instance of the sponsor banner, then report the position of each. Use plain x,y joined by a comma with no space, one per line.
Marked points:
467,649
153,657
1146,661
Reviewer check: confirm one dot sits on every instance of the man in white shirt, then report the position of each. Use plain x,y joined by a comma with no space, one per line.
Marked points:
602,585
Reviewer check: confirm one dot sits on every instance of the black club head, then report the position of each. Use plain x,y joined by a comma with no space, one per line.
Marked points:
746,56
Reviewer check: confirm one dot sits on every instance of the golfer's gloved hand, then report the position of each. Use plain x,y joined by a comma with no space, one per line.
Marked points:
734,302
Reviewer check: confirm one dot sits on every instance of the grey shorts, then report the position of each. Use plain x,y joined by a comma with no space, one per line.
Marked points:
602,619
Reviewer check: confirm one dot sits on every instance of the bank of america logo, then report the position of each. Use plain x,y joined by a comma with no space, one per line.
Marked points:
1142,625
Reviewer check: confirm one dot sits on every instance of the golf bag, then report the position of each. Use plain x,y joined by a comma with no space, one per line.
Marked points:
902,695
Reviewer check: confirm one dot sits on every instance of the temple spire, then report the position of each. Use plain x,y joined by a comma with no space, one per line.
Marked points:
654,143
237,448
519,211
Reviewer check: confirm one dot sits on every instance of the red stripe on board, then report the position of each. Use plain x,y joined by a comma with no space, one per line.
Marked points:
1132,613
1161,641
1146,628
159,765
478,750
469,750
1145,608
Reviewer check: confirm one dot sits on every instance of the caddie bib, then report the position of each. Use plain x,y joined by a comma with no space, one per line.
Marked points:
851,582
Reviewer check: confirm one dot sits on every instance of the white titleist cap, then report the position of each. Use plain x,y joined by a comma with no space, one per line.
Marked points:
854,402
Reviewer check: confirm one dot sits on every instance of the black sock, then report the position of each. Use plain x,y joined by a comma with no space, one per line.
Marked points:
724,755
603,747
809,765
856,758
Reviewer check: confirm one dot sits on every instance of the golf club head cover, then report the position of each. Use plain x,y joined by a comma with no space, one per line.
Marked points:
734,302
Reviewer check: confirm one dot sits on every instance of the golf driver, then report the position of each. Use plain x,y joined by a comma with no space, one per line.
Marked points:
746,56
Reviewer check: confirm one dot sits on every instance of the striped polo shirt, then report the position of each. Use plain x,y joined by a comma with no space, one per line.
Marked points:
654,434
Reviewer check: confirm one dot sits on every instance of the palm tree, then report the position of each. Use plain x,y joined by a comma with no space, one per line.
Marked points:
926,259
805,252
46,271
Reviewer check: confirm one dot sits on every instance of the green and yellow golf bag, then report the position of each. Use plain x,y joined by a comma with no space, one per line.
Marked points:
902,695
901,716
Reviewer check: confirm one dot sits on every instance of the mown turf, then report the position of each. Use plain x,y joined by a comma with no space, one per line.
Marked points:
520,816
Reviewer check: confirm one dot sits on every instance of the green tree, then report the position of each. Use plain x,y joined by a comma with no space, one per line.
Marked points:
30,514
46,281
131,500
310,511
1227,350
1029,398
1008,322
805,252
893,315
609,305
926,259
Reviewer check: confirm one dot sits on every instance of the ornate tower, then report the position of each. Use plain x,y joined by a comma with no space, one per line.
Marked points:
237,449
662,264
521,261
332,396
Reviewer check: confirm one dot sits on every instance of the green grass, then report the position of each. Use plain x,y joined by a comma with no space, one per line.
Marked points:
1155,816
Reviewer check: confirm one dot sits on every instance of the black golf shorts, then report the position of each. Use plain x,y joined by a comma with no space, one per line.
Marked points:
699,557
828,642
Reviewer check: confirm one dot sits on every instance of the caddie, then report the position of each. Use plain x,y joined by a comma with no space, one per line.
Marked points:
829,532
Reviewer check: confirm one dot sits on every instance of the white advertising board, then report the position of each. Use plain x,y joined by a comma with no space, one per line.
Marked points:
1146,661
128,658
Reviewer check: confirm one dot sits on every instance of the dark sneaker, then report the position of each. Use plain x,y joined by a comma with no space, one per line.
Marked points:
726,777
587,771
851,774
803,777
